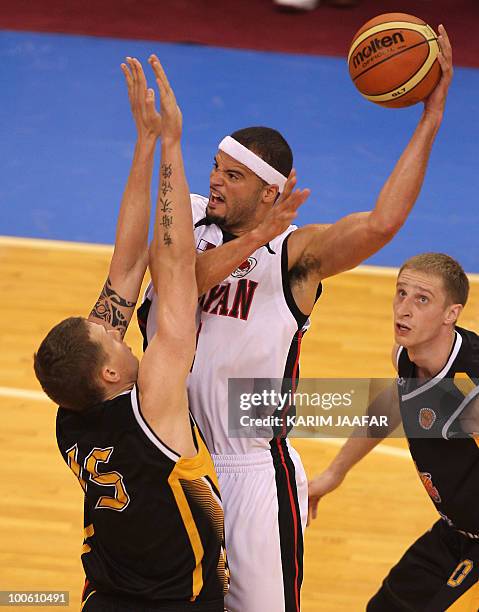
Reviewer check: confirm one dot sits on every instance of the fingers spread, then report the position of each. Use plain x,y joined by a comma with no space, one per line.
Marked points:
290,183
294,200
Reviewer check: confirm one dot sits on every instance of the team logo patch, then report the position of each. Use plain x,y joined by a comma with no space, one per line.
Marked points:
427,418
430,488
204,245
245,268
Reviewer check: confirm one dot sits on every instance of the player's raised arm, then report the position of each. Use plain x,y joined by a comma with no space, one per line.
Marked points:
118,297
354,238
213,266
169,355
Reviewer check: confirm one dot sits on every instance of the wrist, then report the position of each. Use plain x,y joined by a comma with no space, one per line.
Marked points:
256,238
171,141
338,468
433,117
146,141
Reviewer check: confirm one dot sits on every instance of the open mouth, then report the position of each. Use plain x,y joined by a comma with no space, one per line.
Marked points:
401,328
216,197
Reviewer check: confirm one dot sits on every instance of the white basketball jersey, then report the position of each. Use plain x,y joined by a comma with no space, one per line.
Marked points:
248,327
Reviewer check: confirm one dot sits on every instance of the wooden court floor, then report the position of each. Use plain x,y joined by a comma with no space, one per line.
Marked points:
362,528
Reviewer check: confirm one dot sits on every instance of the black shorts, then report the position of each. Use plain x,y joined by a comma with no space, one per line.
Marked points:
95,601
436,571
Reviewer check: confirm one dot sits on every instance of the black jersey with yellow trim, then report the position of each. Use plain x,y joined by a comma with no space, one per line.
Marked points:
446,458
153,519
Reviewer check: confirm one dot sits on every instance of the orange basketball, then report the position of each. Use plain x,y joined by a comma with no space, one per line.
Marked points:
393,60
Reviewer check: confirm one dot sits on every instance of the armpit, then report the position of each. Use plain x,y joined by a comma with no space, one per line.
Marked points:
300,272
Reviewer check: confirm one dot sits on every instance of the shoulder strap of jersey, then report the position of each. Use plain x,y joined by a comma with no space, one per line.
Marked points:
405,367
300,317
198,207
147,430
469,355
142,317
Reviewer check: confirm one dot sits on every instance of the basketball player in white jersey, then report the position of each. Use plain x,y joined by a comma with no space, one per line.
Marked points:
257,298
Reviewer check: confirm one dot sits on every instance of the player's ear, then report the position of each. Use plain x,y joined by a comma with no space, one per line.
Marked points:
270,193
452,313
109,374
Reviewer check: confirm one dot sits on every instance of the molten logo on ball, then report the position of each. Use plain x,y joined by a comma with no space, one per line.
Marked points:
392,60
376,45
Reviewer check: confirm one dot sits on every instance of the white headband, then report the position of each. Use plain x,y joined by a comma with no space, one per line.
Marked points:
252,161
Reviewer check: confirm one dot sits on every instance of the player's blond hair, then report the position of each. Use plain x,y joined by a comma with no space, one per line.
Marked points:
448,269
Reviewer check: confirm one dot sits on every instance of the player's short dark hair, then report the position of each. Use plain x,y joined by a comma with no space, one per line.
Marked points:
267,144
448,269
67,364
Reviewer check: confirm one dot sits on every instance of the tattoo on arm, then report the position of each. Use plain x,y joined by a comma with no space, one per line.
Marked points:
108,308
166,205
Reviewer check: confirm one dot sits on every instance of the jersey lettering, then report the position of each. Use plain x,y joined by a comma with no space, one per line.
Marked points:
72,460
460,573
107,479
221,307
217,300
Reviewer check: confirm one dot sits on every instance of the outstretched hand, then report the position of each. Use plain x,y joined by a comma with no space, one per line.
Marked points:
171,118
142,100
326,482
436,101
284,211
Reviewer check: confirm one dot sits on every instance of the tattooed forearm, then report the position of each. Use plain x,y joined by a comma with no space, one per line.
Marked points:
166,205
108,308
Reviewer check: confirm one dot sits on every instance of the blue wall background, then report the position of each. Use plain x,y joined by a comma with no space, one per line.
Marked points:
68,137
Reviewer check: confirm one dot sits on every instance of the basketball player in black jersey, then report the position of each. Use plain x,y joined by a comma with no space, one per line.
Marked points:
436,399
153,536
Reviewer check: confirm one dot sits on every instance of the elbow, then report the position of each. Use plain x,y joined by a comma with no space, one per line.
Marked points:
185,260
385,228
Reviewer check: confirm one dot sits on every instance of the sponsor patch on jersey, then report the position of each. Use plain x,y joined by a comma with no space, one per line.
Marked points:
433,493
245,268
427,418
204,245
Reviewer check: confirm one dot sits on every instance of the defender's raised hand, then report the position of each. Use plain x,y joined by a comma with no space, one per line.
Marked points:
142,100
171,118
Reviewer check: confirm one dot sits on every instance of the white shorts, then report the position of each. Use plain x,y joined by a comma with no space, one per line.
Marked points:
265,500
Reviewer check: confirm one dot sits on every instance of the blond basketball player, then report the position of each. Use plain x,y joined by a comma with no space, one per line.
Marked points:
435,397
